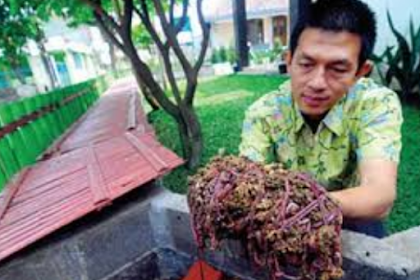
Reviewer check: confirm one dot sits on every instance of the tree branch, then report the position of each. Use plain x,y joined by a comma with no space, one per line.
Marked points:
191,87
102,25
171,37
171,12
206,36
181,22
163,49
117,8
127,18
145,18
148,79
171,77
98,9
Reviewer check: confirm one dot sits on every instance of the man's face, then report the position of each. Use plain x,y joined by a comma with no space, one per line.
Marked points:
323,68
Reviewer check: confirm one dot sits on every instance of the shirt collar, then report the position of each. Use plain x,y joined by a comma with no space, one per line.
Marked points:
333,120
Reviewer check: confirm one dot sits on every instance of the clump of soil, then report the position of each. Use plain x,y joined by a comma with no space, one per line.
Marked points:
286,220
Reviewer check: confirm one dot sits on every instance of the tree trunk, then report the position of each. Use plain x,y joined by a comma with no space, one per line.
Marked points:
112,53
131,53
188,123
47,64
145,90
113,57
181,109
191,136
161,70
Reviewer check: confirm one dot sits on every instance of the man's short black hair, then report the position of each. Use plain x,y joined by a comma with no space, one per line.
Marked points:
352,16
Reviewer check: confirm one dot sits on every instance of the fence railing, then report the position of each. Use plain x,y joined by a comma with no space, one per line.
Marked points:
29,126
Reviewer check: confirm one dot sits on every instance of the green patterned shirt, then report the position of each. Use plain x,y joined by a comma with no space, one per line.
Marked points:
364,124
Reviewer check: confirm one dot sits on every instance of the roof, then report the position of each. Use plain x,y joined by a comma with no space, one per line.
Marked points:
110,152
221,10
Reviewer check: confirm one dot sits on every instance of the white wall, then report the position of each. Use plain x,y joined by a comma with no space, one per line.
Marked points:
222,34
40,75
268,31
84,73
400,10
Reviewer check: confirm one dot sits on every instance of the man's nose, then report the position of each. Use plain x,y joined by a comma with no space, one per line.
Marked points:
318,81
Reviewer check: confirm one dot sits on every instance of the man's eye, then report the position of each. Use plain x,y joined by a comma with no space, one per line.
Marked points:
339,70
305,65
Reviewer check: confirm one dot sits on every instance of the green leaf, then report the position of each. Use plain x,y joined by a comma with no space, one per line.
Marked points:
403,45
14,7
392,63
416,47
412,34
376,58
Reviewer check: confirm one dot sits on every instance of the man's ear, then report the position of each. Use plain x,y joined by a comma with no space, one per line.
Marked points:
288,59
365,69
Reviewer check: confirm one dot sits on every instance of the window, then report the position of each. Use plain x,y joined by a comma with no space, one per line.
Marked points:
255,31
78,60
280,29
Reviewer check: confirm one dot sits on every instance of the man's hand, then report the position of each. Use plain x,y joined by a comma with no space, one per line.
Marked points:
374,198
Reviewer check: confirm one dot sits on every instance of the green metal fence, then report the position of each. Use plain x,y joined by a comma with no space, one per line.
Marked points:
29,126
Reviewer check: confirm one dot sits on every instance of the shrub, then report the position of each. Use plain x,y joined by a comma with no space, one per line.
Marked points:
219,55
401,62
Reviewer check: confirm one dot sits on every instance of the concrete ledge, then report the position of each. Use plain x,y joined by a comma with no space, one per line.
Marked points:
408,242
147,235
365,257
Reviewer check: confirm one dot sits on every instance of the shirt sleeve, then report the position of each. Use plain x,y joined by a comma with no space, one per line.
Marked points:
379,134
256,141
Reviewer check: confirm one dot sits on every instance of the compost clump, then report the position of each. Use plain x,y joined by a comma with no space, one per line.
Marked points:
286,220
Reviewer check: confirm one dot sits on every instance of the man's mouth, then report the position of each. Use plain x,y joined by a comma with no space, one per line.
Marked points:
314,101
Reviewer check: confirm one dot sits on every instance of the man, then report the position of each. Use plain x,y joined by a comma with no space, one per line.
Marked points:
328,120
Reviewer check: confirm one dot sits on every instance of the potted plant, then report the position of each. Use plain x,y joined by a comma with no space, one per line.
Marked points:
220,60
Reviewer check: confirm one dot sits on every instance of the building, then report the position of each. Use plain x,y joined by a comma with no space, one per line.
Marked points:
74,55
267,23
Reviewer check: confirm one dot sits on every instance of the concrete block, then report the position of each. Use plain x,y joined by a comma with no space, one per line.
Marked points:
148,235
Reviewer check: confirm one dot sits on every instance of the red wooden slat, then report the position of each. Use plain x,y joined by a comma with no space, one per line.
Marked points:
96,180
33,220
47,193
32,235
111,152
10,192
132,112
158,163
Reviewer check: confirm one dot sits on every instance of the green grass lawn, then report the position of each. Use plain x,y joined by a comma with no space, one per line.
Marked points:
221,104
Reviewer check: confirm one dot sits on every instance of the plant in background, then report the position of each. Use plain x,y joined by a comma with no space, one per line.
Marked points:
231,55
17,26
215,56
59,56
263,55
141,37
223,54
258,56
277,51
402,62
219,55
